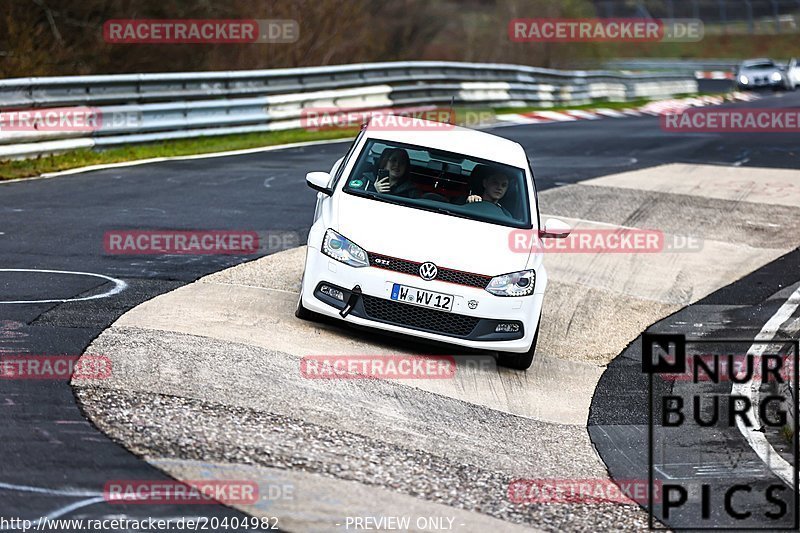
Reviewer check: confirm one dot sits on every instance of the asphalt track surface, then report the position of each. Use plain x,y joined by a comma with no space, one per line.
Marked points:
55,463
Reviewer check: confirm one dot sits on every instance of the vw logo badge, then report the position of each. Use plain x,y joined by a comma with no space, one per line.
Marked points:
428,271
472,304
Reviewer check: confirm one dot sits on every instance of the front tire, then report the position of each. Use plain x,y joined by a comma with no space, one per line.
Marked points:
301,312
520,361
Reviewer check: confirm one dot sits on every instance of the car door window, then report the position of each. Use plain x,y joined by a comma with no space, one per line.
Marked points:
340,170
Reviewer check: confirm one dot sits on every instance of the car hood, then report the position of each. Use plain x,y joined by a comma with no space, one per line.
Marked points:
419,235
759,71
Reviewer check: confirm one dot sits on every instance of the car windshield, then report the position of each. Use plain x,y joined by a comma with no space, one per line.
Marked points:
443,182
760,64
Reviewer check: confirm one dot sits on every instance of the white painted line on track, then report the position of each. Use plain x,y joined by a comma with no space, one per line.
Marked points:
119,286
136,162
509,119
756,439
93,498
69,508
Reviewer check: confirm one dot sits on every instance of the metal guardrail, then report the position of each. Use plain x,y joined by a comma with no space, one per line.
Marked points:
672,65
678,65
154,107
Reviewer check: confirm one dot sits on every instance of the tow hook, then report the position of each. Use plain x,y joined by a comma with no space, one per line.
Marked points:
355,294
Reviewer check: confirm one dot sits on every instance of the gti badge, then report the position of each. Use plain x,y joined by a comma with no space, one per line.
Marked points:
472,304
380,261
428,271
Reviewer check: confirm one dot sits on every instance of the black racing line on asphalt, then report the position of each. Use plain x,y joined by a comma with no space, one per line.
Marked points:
50,451
618,417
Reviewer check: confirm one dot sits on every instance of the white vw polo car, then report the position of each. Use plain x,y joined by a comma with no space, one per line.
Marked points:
412,234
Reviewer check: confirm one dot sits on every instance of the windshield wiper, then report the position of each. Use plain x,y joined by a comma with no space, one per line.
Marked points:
383,198
448,212
376,196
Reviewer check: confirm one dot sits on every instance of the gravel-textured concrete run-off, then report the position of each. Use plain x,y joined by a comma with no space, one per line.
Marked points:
152,426
259,410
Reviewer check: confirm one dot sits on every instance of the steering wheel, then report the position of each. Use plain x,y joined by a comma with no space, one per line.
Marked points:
485,208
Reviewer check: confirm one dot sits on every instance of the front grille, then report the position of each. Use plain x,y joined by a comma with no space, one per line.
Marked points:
392,263
464,278
418,317
444,274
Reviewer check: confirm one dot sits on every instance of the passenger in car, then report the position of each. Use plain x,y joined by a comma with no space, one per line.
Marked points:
393,172
494,184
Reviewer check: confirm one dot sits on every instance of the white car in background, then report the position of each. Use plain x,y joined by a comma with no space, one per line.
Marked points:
767,74
419,244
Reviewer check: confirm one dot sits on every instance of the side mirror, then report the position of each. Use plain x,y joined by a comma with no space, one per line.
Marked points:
319,182
555,229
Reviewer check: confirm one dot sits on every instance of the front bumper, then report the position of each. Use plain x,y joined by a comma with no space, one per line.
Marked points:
464,326
761,84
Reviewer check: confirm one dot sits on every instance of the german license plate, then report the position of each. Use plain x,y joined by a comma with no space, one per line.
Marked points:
423,298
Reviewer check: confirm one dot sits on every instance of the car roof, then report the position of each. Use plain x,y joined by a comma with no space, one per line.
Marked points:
442,136
751,62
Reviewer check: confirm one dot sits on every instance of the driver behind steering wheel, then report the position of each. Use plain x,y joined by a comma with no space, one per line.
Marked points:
495,186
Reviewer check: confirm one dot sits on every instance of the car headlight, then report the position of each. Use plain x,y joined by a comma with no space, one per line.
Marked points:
344,250
514,284
743,80
776,76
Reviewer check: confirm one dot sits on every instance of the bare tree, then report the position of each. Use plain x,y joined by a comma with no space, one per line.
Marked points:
59,37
